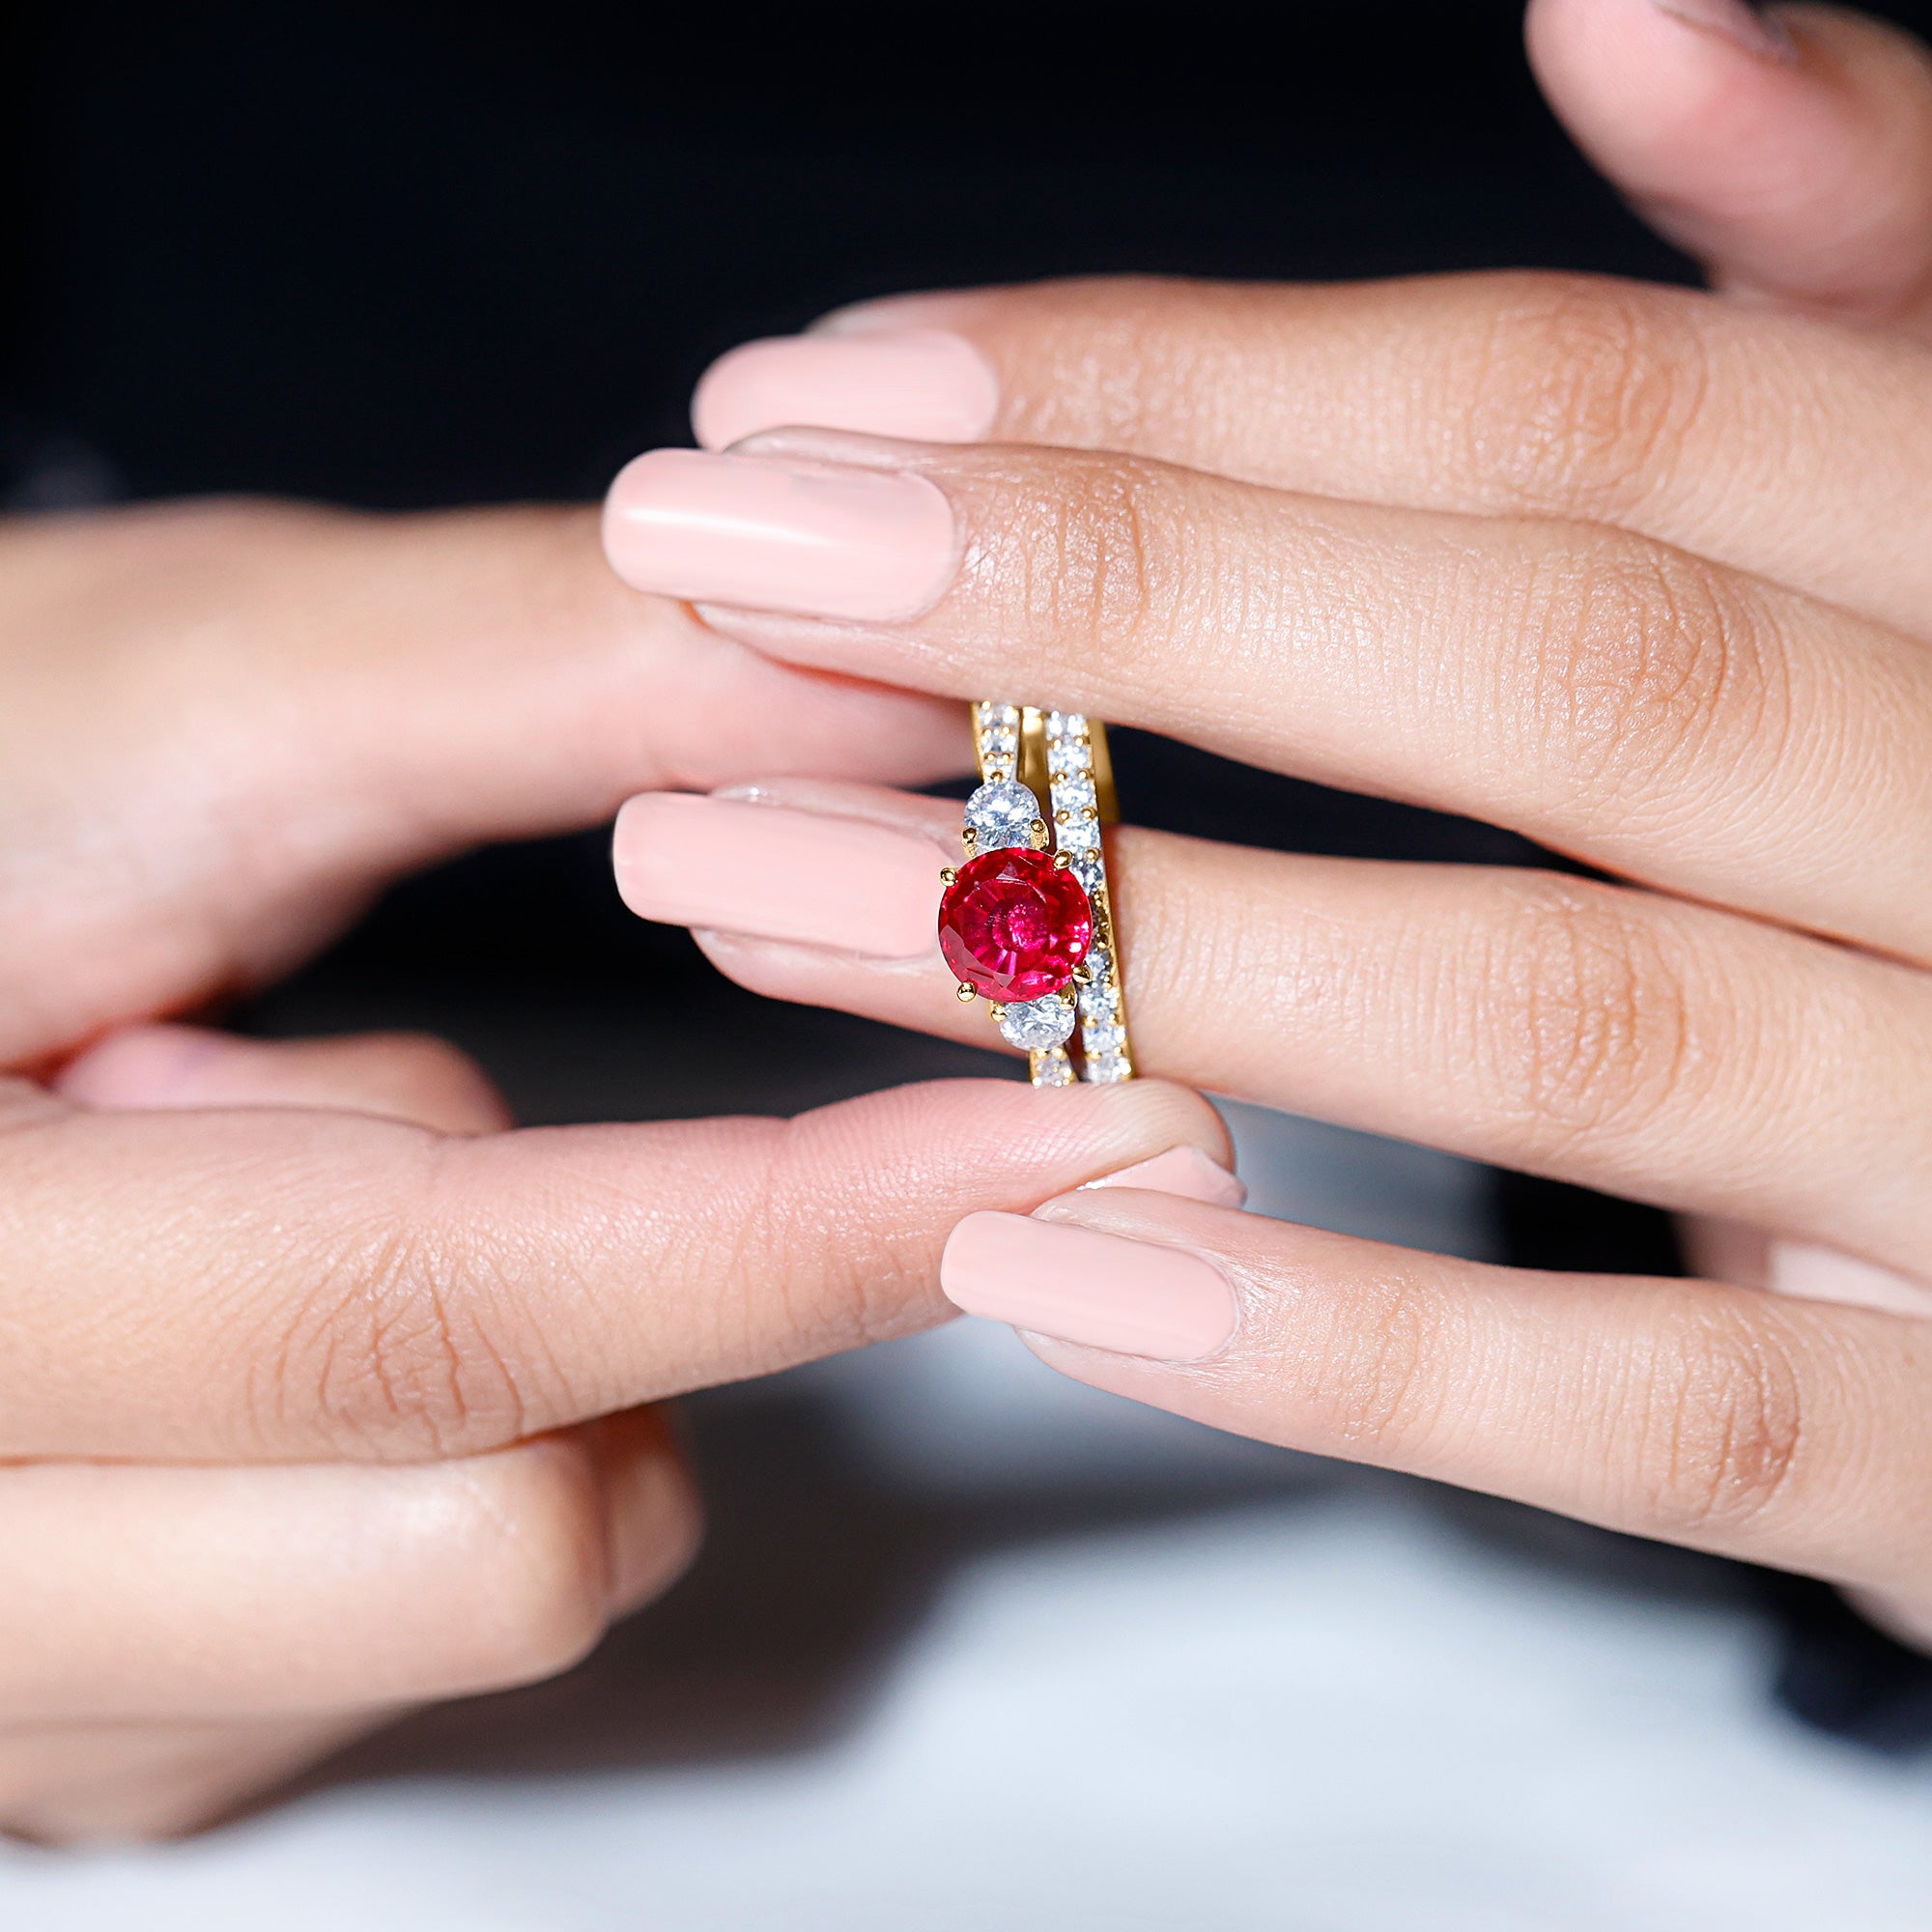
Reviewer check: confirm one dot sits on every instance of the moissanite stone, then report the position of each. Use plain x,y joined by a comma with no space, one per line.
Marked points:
1037,1023
1013,925
1001,815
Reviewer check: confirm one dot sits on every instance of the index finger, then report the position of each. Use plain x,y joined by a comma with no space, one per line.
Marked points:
276,1285
1778,445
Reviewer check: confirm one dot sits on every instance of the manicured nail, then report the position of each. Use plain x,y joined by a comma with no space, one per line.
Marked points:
924,384
1735,20
768,533
729,865
1185,1171
1079,1285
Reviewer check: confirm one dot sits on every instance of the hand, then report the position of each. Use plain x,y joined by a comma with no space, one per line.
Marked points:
322,1393
1639,573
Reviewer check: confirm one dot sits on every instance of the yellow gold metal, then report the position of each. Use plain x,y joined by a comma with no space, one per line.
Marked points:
964,994
1032,771
949,876
1104,773
1061,861
996,1012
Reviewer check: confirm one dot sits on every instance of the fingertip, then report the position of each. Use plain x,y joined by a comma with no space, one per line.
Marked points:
920,385
1792,153
412,1077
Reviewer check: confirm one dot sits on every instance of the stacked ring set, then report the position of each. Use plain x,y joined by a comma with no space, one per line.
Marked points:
1025,920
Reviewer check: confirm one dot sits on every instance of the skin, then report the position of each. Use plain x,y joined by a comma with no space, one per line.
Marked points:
324,1392
1638,572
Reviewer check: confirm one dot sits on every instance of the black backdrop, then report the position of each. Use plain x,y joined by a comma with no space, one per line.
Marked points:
409,254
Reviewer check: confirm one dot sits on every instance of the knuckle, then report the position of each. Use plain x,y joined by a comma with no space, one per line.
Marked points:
1586,392
1089,552
1724,1429
1373,1379
1594,1020
390,1352
532,1586
1648,672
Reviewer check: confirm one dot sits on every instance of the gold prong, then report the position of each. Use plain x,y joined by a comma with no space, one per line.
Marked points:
969,837
1060,817
1088,815
1040,832
996,1012
949,876
1083,975
964,994
1062,860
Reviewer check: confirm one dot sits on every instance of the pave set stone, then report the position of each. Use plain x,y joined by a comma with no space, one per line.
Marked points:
1025,920
1076,829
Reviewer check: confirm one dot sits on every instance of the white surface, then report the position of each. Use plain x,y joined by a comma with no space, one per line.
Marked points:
1332,1715
1272,1718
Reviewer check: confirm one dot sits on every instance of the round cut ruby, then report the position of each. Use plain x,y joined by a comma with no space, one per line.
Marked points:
1013,925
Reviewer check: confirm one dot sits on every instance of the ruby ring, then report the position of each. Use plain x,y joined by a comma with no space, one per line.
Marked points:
1026,921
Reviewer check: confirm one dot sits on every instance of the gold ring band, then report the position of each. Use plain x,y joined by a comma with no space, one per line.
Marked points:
1077,1028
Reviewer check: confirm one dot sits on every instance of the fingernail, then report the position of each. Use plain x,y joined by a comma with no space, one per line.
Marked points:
1185,1171
1755,32
926,384
1079,1285
729,865
817,539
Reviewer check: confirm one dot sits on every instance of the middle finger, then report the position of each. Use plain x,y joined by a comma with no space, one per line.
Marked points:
1662,717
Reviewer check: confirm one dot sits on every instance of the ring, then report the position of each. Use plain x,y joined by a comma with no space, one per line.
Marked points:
1026,921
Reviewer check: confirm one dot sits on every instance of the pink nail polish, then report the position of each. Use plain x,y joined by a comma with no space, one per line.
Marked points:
1185,1171
729,865
769,533
1753,31
924,384
1078,1285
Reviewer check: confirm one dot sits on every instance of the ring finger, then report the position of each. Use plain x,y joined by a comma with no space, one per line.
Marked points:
1613,1038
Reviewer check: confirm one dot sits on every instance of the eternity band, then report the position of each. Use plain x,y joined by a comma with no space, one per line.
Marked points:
1027,921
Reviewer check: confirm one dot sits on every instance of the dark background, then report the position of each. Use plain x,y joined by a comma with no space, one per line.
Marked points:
410,254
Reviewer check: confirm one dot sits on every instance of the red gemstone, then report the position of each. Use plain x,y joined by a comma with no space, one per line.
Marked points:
1013,925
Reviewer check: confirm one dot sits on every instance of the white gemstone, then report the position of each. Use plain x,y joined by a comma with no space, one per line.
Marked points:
1099,1002
1055,1070
1076,835
1099,962
1075,795
1001,813
1035,1023
1108,1068
999,746
1066,725
1088,869
1103,1038
1000,714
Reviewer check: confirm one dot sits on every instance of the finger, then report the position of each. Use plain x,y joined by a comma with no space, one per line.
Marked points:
404,1076
303,1591
1766,441
1778,1431
1608,697
1618,1039
1789,150
299,705
266,1284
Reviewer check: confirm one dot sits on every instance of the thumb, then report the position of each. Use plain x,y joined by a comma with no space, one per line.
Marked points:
1789,150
